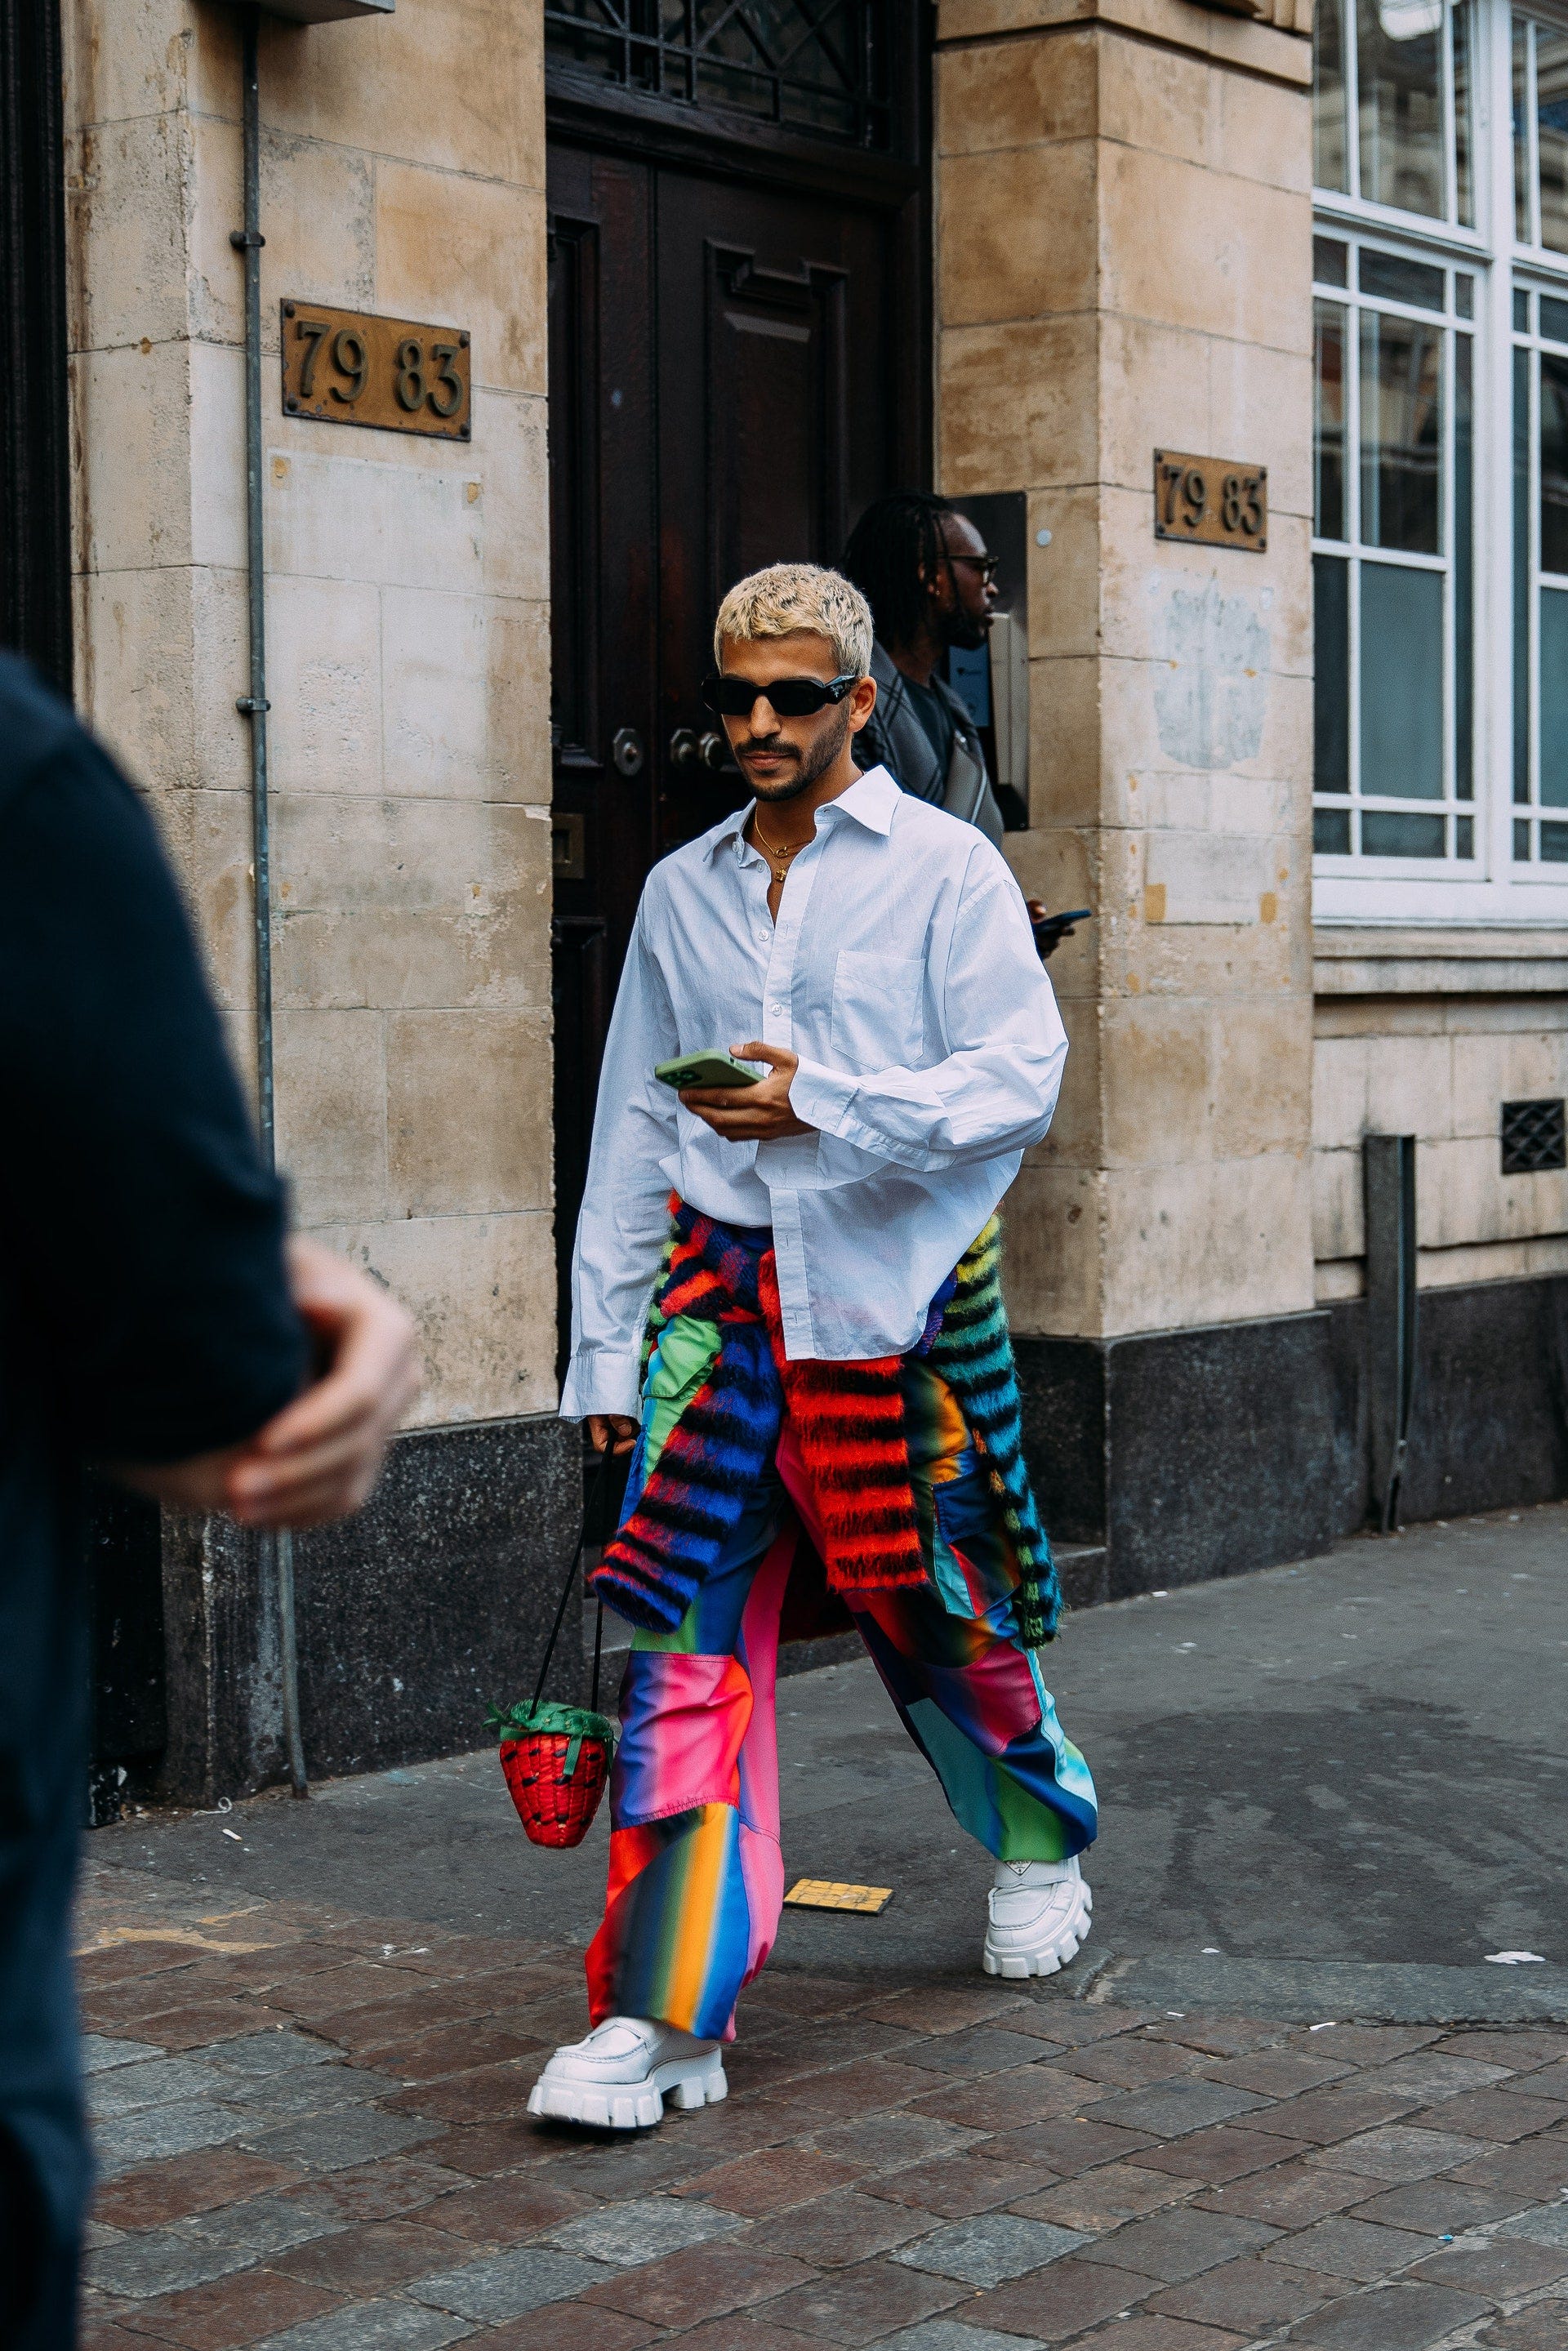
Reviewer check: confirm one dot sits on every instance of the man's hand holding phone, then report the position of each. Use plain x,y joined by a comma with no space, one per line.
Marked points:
756,1113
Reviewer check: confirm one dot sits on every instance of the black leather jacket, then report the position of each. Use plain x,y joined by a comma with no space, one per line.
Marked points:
895,738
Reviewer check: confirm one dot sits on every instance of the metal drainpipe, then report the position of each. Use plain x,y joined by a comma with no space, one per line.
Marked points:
255,706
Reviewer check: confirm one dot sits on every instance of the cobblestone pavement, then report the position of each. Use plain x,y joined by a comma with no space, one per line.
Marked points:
312,2136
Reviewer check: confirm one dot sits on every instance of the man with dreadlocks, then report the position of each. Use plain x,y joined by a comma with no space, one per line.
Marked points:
923,568
805,1350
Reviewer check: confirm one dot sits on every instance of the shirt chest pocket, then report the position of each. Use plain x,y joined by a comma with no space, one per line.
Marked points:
878,1020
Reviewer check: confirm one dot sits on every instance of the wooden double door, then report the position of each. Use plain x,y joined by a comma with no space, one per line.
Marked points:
736,367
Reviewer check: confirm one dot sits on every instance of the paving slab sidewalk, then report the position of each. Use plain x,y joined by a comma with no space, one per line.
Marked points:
313,2138
309,2091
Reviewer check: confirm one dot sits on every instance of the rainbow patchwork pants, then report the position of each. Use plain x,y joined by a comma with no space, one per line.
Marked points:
696,1876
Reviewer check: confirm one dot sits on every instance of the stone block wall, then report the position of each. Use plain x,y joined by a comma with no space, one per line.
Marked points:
402,171
1124,242
1428,1032
408,623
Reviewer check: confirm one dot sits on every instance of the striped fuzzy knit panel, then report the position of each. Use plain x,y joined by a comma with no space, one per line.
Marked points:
668,1544
723,1441
974,1353
848,1422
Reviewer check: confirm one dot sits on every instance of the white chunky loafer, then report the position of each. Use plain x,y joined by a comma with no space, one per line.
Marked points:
1038,1917
618,2078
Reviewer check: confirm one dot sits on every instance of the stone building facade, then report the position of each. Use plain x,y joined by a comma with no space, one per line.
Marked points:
720,288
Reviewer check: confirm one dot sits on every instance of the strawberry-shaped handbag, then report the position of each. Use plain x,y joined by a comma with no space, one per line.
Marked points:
555,1757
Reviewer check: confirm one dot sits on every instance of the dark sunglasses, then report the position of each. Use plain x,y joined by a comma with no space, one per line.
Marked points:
791,697
986,565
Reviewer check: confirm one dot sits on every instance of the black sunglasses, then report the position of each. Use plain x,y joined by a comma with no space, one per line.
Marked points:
986,565
791,697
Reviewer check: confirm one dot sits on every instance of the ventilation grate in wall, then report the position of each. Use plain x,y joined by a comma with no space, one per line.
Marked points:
1533,1138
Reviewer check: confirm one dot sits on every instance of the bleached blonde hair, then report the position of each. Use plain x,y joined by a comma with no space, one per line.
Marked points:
790,597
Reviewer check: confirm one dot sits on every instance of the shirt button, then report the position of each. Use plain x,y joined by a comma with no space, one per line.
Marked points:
776,1008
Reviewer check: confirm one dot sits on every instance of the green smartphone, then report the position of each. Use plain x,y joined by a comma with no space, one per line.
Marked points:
710,1069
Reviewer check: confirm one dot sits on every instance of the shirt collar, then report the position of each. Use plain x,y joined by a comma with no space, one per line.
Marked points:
871,801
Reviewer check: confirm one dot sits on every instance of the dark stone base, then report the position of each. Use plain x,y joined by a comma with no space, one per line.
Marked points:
1488,1428
1181,1455
1173,1458
412,1618
1159,1461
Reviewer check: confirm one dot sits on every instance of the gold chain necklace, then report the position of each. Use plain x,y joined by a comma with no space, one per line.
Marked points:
773,854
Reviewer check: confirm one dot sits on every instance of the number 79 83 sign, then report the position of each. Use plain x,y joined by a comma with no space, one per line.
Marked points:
346,367
1218,501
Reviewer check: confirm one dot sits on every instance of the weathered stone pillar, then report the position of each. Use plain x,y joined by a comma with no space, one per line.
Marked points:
1124,239
407,612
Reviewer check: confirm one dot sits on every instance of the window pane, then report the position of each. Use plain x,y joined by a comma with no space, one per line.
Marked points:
1520,130
1521,575
1553,469
1330,259
1464,836
1402,685
1554,699
1331,674
1331,833
1551,135
1464,597
1464,186
1521,311
1521,839
1328,344
1383,835
1554,844
1464,294
1331,160
1399,98
1401,436
1416,282
1553,320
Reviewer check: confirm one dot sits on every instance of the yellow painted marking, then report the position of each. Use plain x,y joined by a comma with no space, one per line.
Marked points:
831,1894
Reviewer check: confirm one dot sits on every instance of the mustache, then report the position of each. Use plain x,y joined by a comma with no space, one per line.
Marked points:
774,745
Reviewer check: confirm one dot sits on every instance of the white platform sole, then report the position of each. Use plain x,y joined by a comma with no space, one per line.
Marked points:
687,2082
1045,1958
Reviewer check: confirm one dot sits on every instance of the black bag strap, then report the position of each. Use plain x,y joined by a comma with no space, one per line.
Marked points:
595,1494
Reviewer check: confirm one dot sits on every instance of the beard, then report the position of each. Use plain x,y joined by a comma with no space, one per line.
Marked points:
969,636
813,763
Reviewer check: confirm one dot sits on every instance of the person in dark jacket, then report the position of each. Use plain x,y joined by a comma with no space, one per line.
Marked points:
153,1321
924,569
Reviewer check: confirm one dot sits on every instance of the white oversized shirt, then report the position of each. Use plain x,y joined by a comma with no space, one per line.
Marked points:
903,971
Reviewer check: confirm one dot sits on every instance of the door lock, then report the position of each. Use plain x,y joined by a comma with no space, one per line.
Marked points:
626,750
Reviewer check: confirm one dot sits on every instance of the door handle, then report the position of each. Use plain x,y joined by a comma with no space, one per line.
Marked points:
689,750
626,750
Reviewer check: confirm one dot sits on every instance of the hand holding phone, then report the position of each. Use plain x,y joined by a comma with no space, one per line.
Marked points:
735,1101
1050,930
709,1068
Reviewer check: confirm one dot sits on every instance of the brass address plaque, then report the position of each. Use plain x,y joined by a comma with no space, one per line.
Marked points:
346,367
1216,501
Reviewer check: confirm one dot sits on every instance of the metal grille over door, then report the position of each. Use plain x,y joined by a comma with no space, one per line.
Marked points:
817,65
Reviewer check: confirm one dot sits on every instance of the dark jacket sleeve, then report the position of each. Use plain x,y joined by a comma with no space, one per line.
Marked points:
146,1292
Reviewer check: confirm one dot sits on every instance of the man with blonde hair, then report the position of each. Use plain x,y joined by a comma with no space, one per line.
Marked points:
805,1345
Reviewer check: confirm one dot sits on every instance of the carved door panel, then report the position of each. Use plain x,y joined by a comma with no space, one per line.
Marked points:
777,421
604,617
723,395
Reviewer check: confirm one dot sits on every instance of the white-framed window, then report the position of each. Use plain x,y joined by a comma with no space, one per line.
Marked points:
1440,531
